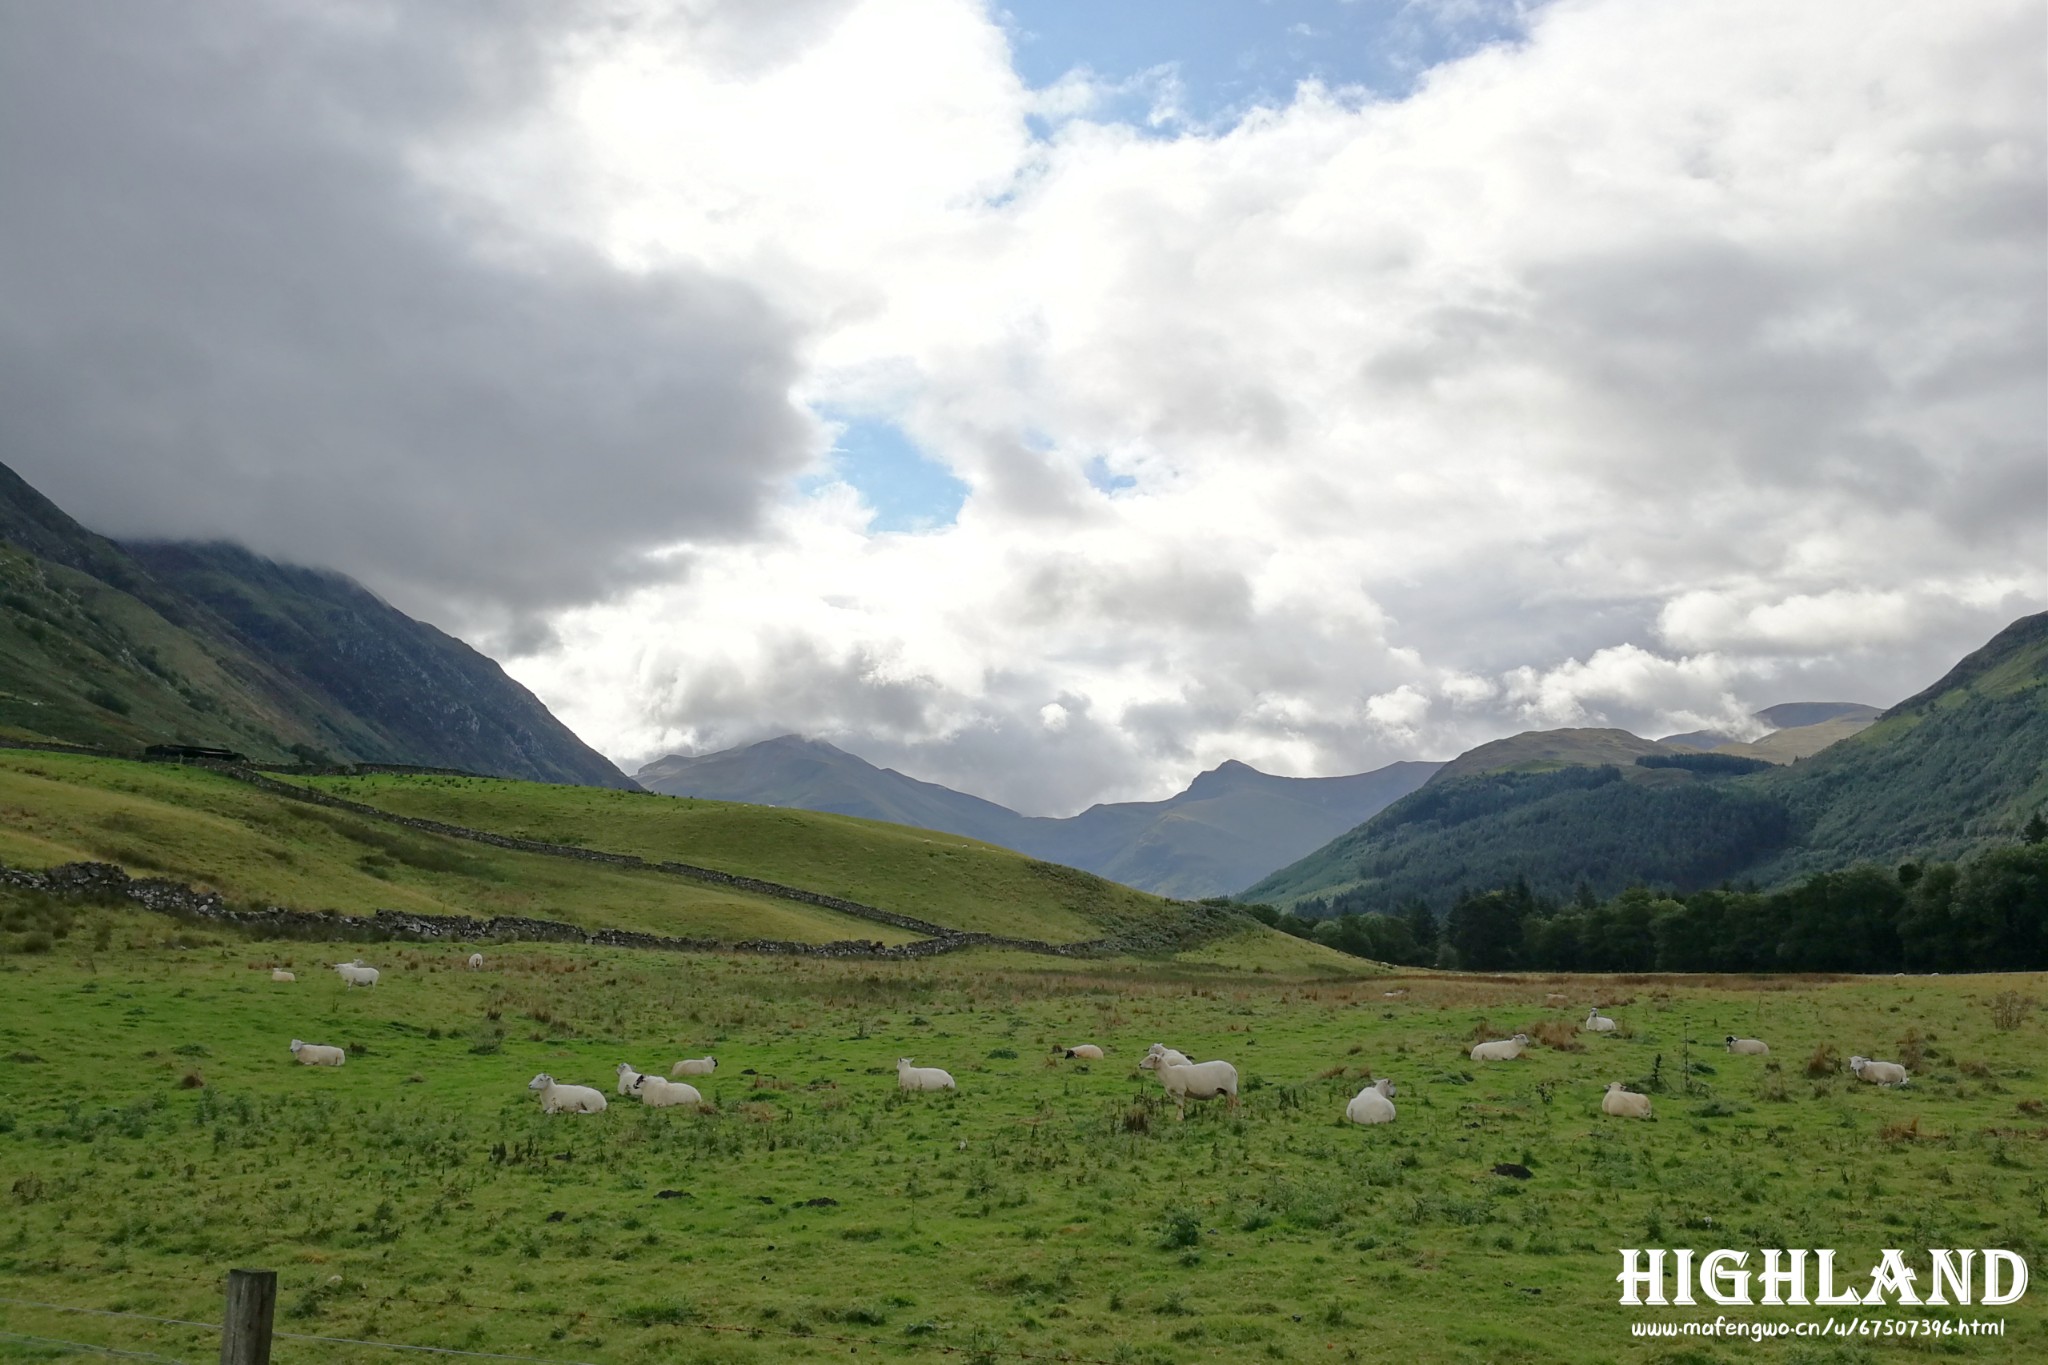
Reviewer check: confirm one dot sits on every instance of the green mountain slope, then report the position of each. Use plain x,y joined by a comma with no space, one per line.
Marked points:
1545,750
119,647
1953,769
1232,825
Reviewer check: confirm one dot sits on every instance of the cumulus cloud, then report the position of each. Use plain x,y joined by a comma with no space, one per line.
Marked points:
1665,363
234,308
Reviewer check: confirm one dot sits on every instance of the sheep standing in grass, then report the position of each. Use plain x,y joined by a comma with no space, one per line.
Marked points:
1754,1047
1501,1049
627,1075
1190,1080
280,974
656,1093
910,1077
1086,1052
1624,1103
1878,1073
556,1098
1596,1022
316,1054
1374,1104
694,1066
476,962
356,974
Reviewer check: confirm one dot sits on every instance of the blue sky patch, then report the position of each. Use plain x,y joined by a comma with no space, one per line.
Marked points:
908,490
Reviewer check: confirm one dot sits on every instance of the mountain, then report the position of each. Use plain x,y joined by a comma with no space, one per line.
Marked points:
1953,769
1820,724
1232,825
1544,750
118,647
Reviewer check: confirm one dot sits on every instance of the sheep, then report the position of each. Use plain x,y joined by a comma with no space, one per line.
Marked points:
280,974
1878,1073
315,1054
556,1098
1624,1103
1596,1022
627,1075
1374,1104
1501,1049
1159,1052
910,1077
656,1093
694,1066
356,974
1186,1080
476,962
1755,1047
1087,1052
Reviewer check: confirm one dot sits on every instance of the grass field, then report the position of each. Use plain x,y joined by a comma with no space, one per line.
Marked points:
944,878
206,830
159,1133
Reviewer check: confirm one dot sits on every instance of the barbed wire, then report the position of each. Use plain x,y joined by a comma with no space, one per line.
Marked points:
89,1346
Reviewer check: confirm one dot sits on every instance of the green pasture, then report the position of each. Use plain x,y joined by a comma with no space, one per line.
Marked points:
206,830
158,1133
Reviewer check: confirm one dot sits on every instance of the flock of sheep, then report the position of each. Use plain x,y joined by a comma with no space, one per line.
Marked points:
1182,1079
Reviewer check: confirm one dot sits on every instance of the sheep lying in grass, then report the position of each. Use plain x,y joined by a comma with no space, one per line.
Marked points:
1596,1022
627,1075
356,974
476,962
556,1098
317,1054
1755,1047
910,1077
1500,1049
694,1066
656,1093
1624,1103
280,974
1374,1104
1878,1073
1086,1052
1190,1080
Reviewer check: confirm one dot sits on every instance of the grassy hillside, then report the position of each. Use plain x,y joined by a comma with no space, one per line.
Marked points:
207,830
943,878
120,647
1537,751
1956,768
417,1195
1800,741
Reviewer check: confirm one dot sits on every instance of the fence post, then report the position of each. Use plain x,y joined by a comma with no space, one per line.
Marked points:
245,1334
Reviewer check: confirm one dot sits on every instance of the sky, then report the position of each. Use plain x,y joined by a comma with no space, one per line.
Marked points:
1056,400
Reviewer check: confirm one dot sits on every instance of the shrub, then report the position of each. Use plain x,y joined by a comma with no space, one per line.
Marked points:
2009,1009
1825,1061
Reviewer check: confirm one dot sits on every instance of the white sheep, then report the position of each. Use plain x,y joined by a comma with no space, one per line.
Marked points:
1191,1080
1624,1103
1374,1104
280,974
356,974
694,1066
656,1093
1501,1049
1878,1073
1161,1052
316,1054
910,1077
1596,1022
476,962
556,1098
1086,1052
627,1075
1755,1047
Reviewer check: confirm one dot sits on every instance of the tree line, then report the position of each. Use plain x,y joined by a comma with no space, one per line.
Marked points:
1988,912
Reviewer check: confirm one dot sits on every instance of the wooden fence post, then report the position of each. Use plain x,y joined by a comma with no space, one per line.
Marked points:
245,1334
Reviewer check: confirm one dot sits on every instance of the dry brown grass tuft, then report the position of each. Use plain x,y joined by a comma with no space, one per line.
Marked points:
1977,1069
2031,1107
1555,1033
1912,1050
192,1080
1825,1061
1909,1131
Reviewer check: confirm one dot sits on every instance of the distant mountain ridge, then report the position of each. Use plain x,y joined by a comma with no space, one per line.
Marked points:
1231,826
1954,768
120,646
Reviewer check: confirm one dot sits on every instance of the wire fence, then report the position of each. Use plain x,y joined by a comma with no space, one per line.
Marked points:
986,1351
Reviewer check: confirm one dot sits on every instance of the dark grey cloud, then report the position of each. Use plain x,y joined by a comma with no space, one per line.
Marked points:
228,308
